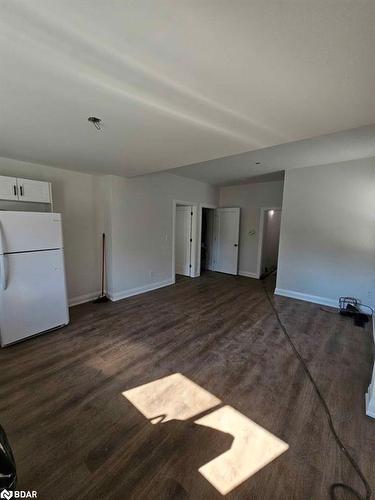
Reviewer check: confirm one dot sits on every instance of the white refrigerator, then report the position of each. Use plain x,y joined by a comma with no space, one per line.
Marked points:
33,296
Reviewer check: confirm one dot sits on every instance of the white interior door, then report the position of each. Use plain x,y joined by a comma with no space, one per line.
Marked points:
210,239
227,227
183,240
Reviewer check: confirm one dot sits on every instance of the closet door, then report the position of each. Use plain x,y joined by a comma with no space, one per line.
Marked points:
183,240
227,227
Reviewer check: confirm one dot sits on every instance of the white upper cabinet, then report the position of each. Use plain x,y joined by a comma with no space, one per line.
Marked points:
8,188
37,191
12,188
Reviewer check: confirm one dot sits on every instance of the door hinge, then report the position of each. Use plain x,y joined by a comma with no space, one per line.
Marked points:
191,213
191,239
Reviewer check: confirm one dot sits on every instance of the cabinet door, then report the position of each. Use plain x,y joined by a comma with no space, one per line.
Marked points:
8,188
29,190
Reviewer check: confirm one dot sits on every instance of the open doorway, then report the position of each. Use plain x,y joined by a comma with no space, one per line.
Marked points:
271,219
207,240
183,239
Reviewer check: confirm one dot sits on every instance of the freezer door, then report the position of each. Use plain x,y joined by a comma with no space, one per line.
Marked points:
34,298
29,231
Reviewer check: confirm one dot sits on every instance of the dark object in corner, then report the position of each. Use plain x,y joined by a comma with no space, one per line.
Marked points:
360,319
8,474
101,299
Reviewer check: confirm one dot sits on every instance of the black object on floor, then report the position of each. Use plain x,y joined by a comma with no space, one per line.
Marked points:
352,311
8,474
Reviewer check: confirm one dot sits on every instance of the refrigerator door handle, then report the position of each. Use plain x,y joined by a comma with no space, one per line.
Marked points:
3,272
1,240
3,279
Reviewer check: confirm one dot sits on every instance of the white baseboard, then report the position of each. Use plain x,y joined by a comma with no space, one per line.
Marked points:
81,299
324,301
248,275
142,289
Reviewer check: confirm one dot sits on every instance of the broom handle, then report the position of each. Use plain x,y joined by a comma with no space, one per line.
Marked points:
103,263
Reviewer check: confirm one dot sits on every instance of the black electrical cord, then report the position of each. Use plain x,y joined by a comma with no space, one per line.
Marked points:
340,444
337,311
368,307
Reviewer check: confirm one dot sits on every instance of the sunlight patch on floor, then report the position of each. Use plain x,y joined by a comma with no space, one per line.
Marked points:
252,449
172,397
176,397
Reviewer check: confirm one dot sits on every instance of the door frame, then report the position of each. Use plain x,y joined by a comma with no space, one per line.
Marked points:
193,259
201,207
263,211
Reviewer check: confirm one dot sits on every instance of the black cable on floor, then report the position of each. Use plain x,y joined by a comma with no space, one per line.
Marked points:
340,444
336,311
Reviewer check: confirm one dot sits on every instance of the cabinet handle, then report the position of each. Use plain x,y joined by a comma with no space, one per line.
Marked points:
15,190
21,190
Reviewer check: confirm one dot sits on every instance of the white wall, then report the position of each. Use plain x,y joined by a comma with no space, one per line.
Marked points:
141,224
250,198
136,215
327,243
74,196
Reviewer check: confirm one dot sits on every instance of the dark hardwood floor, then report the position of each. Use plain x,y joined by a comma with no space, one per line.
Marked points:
75,436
